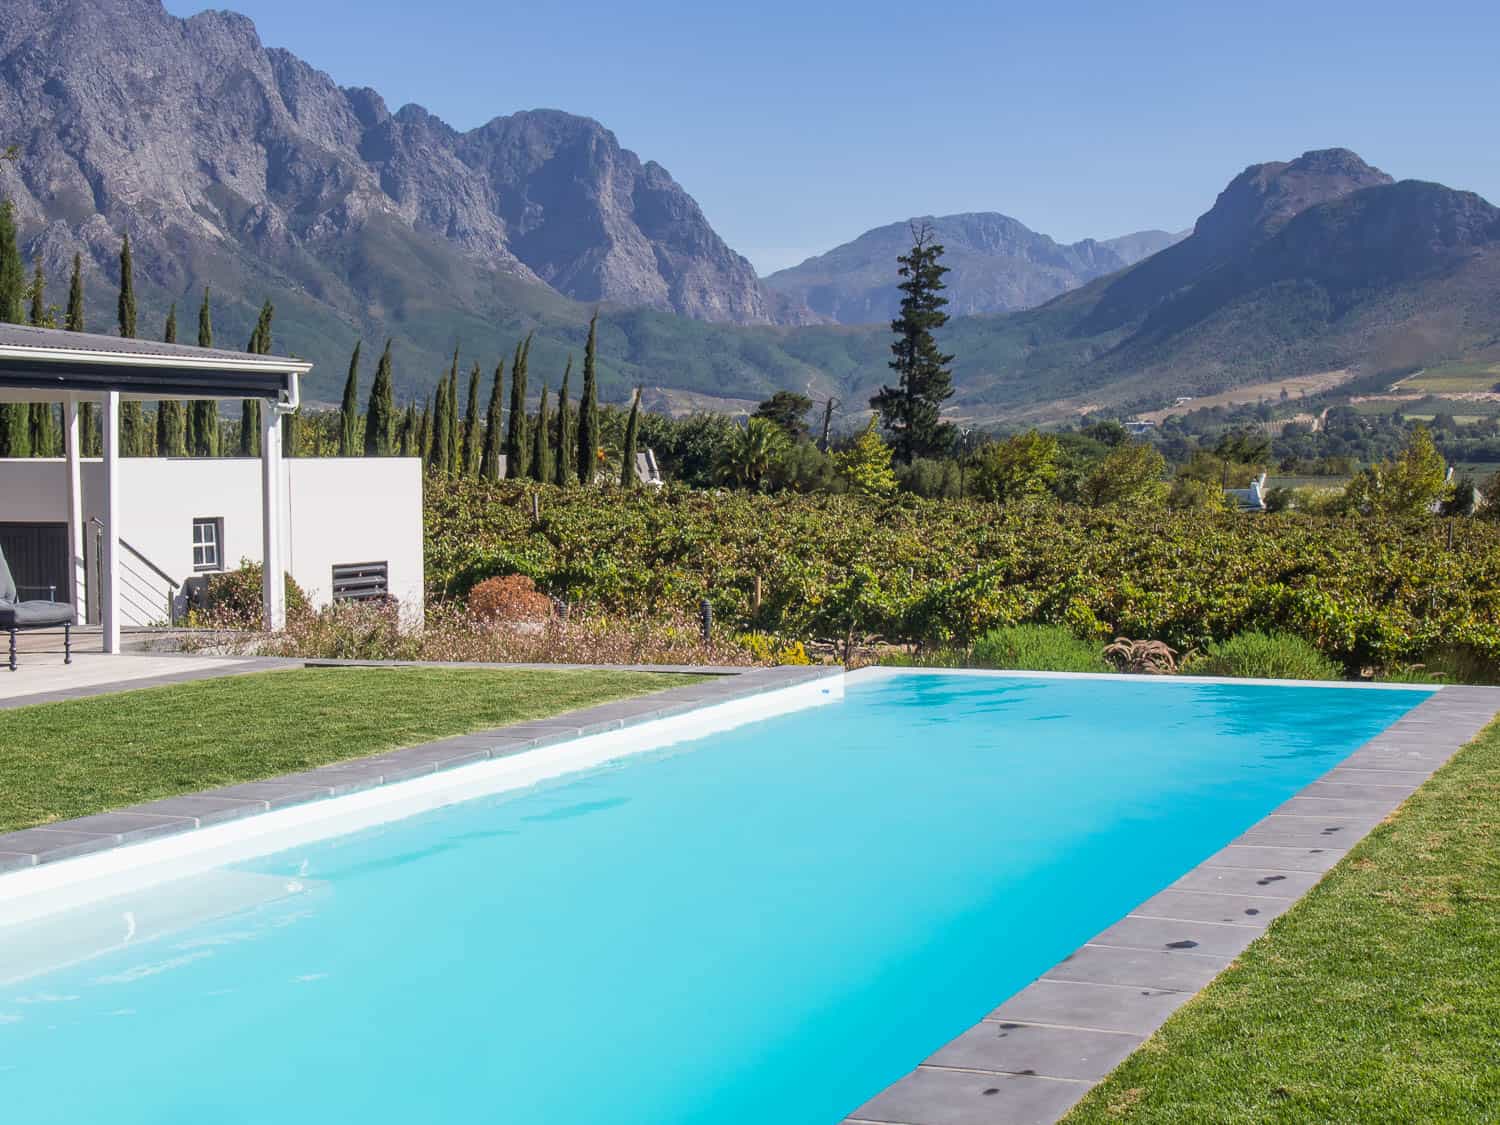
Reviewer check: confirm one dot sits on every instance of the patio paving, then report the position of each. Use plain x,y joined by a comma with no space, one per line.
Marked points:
42,677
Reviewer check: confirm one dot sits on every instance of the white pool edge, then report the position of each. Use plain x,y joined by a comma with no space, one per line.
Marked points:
36,892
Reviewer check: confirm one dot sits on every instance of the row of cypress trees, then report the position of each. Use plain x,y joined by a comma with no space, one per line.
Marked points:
561,448
555,448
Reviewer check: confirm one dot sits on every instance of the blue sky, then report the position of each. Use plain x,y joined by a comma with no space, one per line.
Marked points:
798,125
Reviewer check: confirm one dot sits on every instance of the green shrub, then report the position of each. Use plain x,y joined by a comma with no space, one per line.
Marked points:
234,598
1268,656
1037,648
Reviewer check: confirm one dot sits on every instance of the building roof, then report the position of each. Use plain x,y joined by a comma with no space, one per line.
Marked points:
51,360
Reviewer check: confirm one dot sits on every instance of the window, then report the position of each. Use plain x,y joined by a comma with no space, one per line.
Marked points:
358,582
208,543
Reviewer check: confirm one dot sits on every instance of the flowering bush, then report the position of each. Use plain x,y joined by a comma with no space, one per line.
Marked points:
234,599
512,598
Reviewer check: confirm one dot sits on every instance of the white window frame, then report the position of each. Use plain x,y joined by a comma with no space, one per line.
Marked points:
201,545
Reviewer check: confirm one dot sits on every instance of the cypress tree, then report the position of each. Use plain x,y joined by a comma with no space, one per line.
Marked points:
291,432
349,407
74,321
588,408
441,457
517,447
38,316
15,417
628,476
409,431
12,274
134,441
42,433
541,443
455,427
424,431
562,464
88,422
494,421
473,426
911,410
127,291
380,416
171,437
250,421
204,413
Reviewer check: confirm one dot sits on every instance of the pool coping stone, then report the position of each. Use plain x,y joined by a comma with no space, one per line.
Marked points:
65,839
1127,980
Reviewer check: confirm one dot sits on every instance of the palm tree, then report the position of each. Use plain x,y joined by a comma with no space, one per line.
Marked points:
751,453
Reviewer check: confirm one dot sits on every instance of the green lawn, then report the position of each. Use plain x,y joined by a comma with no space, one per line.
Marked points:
61,760
1375,999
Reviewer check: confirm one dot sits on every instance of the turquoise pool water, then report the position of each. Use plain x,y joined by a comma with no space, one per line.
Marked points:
767,925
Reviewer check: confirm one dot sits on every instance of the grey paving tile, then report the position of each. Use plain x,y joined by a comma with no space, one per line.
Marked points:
14,861
1144,968
1304,804
205,810
275,795
1386,758
1260,881
438,755
48,844
1299,830
339,780
1012,1047
1208,906
128,827
1224,939
1103,1007
1400,779
1353,787
1318,859
931,1096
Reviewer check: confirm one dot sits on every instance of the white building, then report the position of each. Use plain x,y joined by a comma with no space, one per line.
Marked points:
113,535
350,527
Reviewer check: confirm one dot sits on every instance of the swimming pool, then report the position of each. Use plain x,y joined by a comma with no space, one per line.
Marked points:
767,924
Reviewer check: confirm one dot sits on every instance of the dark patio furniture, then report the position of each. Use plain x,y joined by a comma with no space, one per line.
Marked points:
16,615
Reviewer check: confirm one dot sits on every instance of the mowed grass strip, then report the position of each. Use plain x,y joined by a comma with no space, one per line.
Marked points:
1374,999
61,760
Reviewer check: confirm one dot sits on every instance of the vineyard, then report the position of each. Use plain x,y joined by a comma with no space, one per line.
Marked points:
1370,593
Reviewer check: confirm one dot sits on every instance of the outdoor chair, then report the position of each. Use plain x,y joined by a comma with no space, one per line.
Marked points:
16,615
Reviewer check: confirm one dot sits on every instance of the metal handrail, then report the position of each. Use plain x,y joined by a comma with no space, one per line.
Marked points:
160,573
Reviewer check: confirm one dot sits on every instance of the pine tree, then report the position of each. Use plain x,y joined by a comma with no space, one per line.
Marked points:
517,445
911,410
541,443
12,273
628,476
588,408
134,441
562,464
494,422
827,423
349,407
380,416
473,427
441,457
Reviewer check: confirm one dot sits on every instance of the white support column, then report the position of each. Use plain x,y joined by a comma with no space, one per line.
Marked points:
110,594
77,573
273,561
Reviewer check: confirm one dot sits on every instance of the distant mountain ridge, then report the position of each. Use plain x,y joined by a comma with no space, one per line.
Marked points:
200,140
996,264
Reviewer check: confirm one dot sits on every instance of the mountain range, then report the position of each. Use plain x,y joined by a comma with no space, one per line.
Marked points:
244,169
